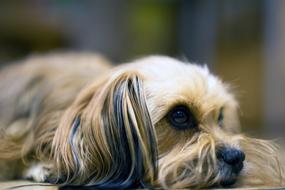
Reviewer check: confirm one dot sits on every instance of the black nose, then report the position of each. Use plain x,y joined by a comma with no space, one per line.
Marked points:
232,157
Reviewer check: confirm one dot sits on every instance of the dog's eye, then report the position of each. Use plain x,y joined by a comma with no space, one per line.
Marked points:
221,117
181,118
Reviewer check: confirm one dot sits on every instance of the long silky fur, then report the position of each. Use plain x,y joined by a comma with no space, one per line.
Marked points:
114,141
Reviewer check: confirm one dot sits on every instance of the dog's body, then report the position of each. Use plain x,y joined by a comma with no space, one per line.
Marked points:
74,119
30,88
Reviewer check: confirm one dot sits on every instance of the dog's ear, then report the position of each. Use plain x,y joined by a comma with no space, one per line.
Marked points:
107,137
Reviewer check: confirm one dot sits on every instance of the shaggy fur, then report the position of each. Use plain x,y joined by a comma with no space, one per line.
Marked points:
73,120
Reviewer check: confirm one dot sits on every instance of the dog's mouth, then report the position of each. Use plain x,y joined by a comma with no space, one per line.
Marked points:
229,174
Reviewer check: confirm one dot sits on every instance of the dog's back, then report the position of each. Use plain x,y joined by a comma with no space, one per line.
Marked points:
30,89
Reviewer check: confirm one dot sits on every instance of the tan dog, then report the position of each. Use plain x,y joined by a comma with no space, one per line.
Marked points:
155,122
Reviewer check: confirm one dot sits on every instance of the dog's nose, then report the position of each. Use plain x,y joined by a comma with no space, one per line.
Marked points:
232,157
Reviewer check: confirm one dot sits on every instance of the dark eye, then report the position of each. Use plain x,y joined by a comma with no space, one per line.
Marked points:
221,117
181,118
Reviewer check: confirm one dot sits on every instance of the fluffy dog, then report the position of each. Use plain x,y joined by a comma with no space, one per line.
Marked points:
73,120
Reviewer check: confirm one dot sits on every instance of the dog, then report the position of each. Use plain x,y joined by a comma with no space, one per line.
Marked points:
75,120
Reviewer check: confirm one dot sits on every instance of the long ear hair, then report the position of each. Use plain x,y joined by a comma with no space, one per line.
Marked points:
106,139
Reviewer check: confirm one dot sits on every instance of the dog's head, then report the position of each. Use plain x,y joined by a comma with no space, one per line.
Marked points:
161,122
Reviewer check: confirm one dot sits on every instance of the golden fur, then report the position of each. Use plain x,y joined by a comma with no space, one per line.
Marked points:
72,119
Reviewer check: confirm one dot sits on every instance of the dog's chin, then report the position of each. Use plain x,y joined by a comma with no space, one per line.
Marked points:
228,178
228,175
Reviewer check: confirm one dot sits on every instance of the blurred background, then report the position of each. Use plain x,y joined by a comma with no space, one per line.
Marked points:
243,41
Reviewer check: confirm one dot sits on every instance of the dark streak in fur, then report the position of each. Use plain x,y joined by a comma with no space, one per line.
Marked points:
127,171
76,124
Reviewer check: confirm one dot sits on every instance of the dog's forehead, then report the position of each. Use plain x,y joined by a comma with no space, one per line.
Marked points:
161,67
178,76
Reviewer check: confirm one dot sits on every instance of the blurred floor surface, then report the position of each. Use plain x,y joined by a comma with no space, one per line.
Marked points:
26,185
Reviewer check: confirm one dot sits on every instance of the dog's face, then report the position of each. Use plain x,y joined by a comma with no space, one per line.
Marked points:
161,121
195,118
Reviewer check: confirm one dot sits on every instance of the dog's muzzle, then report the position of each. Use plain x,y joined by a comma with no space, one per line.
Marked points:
230,165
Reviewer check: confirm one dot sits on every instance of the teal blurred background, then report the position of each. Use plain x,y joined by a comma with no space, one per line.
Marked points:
243,41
